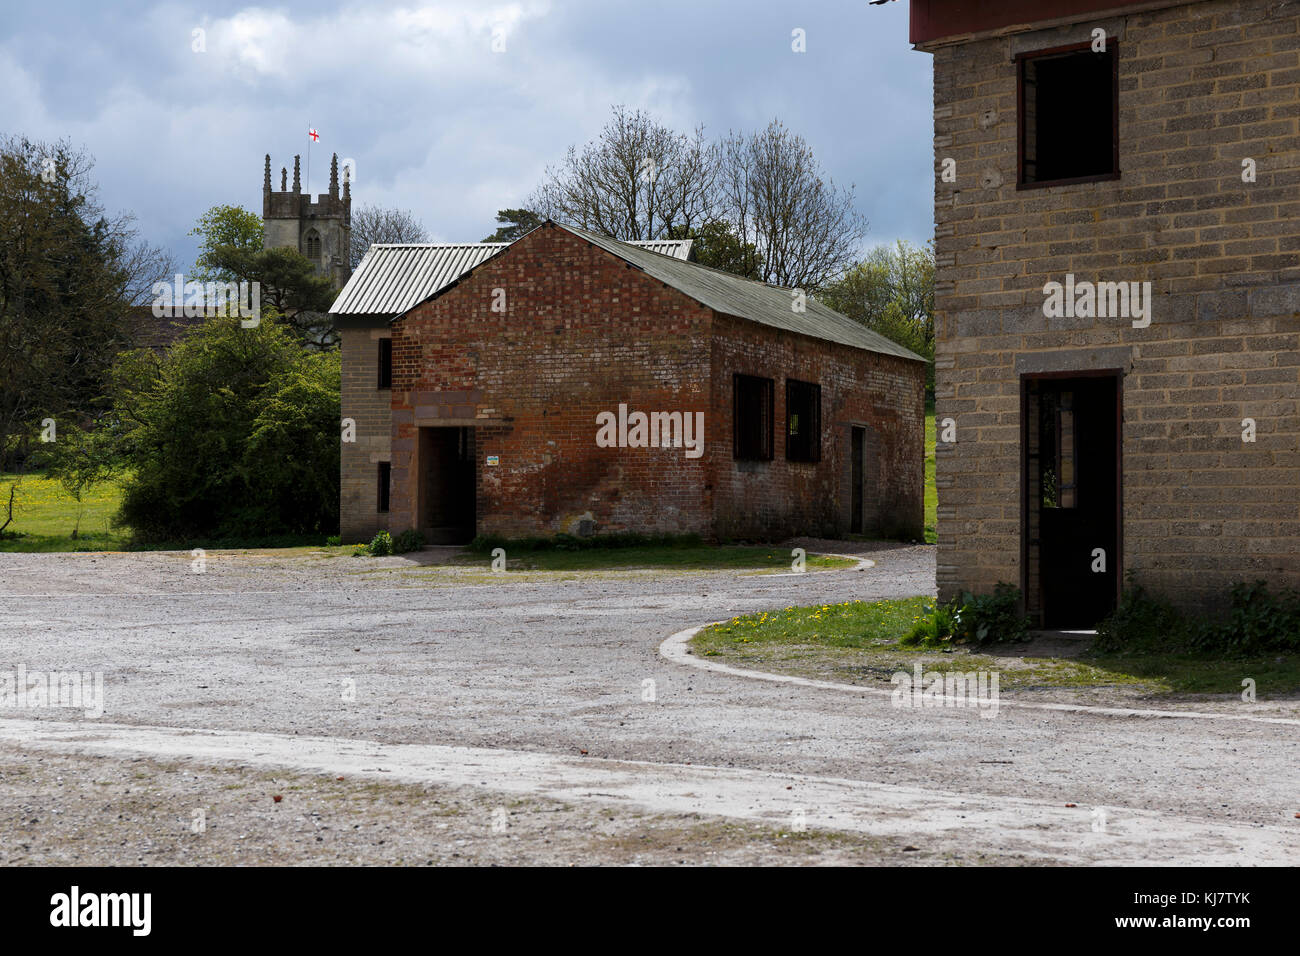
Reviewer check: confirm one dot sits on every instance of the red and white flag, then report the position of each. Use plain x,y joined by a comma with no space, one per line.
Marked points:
313,134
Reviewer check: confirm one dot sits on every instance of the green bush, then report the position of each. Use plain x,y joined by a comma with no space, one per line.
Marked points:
933,630
380,545
989,618
409,540
233,433
972,619
384,544
1142,622
1257,622
333,541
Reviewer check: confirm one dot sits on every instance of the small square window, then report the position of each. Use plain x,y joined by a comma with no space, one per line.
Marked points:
385,482
751,415
1069,109
385,363
803,421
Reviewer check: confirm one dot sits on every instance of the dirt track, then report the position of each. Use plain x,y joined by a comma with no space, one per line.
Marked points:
556,664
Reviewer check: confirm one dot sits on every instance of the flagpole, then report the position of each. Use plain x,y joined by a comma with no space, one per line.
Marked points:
309,166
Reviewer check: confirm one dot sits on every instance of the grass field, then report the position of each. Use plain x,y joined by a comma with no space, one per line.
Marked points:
45,516
857,643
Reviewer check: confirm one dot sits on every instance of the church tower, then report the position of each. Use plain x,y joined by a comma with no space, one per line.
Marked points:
320,228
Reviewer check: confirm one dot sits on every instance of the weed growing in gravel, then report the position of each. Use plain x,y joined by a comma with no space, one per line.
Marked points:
1257,621
972,619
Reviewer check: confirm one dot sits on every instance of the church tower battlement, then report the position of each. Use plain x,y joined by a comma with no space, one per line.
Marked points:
319,227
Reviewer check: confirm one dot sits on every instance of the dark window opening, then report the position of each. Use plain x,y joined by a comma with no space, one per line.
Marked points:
385,481
858,471
312,243
385,363
803,421
751,413
1068,123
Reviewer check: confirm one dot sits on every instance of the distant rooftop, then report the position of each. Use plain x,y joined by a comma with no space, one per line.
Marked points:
393,277
750,299
147,331
735,296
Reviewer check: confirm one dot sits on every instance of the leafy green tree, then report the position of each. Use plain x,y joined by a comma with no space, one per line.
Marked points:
220,226
293,450
69,274
892,291
233,433
717,245
79,460
514,223
290,287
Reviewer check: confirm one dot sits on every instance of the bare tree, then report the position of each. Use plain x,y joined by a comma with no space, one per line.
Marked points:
637,180
774,194
371,224
765,191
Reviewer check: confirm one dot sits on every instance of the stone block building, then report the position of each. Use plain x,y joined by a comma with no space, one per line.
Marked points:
1117,226
570,383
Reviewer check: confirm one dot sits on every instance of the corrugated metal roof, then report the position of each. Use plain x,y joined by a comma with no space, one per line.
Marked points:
749,299
393,277
674,248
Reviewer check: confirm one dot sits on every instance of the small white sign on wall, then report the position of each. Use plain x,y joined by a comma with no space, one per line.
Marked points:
493,460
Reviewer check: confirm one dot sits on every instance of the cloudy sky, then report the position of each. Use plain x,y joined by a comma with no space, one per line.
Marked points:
435,120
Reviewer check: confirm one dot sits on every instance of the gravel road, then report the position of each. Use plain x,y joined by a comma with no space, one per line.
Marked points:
405,651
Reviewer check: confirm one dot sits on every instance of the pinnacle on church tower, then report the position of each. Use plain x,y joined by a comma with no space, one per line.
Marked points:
319,227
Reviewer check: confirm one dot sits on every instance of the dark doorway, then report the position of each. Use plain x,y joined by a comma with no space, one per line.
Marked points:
857,476
448,492
1071,514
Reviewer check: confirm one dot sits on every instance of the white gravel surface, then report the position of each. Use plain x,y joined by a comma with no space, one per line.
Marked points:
555,664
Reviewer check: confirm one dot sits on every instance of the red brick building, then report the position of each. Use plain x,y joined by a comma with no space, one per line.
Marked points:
570,383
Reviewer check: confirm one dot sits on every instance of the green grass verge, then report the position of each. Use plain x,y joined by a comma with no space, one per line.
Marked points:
857,643
851,624
45,516
682,558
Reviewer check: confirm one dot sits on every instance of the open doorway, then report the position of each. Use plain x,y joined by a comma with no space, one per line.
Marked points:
1071,524
448,490
857,476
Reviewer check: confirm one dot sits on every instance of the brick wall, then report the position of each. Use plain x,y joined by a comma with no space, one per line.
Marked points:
779,498
1202,87
369,407
584,332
